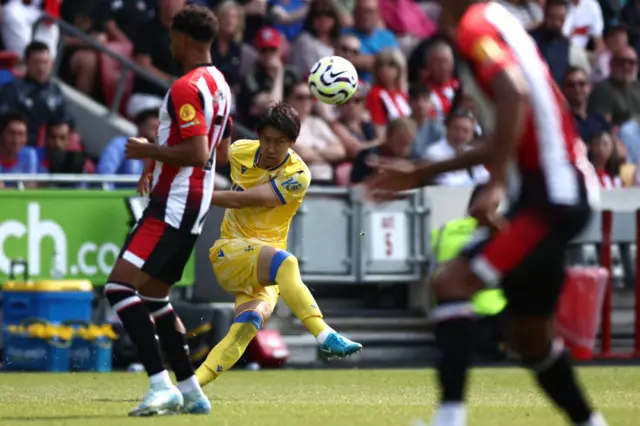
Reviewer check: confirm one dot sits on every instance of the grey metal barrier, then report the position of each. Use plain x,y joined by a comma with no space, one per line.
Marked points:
126,65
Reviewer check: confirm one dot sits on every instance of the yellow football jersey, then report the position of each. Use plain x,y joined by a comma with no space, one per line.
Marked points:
289,182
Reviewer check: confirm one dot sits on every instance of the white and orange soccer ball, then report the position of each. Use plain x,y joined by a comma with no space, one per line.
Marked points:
333,80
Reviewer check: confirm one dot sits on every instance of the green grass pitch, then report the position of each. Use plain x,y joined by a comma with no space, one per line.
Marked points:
498,397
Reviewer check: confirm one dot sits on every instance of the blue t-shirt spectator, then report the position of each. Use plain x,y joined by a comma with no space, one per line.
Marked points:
292,30
25,162
113,162
371,44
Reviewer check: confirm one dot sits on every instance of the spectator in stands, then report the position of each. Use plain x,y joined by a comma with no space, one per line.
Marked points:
113,161
268,74
289,15
616,40
15,156
528,12
17,18
80,61
630,16
318,146
320,34
124,18
353,127
387,99
461,127
397,144
605,160
557,49
259,104
232,57
151,52
348,46
577,88
35,96
408,21
585,24
373,38
429,130
56,156
437,74
618,97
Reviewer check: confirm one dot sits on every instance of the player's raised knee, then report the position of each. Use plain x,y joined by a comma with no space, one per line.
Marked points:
282,260
252,317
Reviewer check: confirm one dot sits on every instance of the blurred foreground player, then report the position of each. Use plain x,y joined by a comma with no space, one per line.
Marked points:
193,127
250,258
534,156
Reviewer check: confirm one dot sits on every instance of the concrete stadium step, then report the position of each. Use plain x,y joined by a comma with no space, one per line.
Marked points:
368,323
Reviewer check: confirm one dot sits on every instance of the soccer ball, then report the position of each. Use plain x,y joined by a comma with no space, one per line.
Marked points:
333,80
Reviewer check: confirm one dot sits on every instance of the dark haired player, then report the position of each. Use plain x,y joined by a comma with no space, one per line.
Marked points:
534,155
193,127
250,258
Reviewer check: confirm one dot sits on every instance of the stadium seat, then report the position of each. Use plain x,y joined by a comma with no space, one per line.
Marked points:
8,59
343,174
110,70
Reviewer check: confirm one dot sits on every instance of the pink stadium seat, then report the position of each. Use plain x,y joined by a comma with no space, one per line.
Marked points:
343,174
110,71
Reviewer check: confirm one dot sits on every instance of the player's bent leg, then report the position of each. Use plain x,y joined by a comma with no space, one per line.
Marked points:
173,340
249,319
453,287
279,267
532,336
121,292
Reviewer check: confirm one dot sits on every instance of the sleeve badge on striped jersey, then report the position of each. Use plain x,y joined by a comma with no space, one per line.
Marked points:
187,112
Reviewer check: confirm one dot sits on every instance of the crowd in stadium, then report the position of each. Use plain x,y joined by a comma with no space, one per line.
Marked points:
408,104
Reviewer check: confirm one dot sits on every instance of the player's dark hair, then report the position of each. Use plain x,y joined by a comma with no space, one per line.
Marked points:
197,22
145,115
9,117
283,117
35,47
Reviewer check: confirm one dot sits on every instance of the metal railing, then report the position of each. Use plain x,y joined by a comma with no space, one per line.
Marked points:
127,66
104,180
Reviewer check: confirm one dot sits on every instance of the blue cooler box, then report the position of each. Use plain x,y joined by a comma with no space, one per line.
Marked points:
25,353
90,355
55,302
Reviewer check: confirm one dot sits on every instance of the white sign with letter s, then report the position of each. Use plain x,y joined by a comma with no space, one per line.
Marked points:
389,239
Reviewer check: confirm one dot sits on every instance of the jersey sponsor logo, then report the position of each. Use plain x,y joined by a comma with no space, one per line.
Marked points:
242,169
485,49
291,185
220,253
187,112
249,248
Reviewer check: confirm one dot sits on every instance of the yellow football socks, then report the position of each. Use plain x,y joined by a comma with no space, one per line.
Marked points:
230,349
297,295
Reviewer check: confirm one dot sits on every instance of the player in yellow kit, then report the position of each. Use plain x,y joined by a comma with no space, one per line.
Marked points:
250,258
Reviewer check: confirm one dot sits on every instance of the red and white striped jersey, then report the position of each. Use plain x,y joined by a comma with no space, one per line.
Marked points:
197,104
491,39
442,96
386,105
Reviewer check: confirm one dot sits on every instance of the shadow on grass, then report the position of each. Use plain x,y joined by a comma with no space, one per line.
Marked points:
58,418
133,401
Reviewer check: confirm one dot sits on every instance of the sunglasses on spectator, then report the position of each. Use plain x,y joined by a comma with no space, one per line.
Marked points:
268,50
348,49
576,83
625,61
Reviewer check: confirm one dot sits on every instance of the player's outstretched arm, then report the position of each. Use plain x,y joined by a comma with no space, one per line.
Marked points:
193,152
257,196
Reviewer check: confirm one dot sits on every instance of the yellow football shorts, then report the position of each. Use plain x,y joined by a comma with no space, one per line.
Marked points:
235,263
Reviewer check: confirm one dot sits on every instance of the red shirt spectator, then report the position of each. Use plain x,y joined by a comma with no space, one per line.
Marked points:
439,78
387,100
